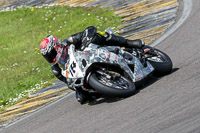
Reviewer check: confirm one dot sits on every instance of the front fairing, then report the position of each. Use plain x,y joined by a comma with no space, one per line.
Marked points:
68,62
63,58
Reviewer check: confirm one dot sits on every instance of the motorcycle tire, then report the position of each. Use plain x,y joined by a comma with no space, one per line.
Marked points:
164,65
110,89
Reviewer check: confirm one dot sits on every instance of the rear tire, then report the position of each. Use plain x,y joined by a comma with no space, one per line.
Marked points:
112,90
164,66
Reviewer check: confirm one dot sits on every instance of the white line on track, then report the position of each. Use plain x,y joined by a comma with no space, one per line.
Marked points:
186,12
28,115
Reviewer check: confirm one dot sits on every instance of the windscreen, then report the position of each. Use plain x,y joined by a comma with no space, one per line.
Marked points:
63,59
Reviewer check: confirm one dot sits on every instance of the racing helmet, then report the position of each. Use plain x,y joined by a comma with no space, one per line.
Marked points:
48,48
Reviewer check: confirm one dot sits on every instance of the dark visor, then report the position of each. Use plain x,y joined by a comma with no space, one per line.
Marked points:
50,55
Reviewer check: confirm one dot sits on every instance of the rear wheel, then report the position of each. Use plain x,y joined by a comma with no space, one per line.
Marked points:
161,63
112,84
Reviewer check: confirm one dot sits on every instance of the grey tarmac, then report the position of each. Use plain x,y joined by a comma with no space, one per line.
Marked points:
170,104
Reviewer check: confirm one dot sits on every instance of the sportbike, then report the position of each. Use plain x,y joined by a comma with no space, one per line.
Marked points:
111,70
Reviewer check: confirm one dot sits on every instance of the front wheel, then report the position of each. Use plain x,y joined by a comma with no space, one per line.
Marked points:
161,62
112,84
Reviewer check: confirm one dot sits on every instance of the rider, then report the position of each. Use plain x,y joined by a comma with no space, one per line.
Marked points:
50,48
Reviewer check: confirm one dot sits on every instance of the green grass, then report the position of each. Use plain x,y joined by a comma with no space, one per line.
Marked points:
21,31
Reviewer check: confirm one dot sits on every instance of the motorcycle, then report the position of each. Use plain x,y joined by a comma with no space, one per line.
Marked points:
110,70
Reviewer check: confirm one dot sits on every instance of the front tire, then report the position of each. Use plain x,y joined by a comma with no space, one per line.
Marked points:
121,87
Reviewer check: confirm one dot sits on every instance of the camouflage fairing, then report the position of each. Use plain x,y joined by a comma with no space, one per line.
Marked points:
75,69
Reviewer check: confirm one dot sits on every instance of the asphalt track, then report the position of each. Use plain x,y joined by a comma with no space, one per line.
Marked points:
168,104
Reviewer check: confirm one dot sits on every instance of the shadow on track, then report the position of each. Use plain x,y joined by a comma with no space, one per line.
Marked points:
140,86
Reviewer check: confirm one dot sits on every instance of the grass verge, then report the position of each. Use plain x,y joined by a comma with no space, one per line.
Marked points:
22,69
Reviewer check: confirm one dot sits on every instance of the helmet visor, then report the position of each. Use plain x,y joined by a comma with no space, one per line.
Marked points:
50,56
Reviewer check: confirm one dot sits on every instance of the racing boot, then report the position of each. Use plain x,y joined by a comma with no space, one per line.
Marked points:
81,95
138,43
122,42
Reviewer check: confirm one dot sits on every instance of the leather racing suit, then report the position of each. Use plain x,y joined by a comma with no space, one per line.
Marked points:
92,35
